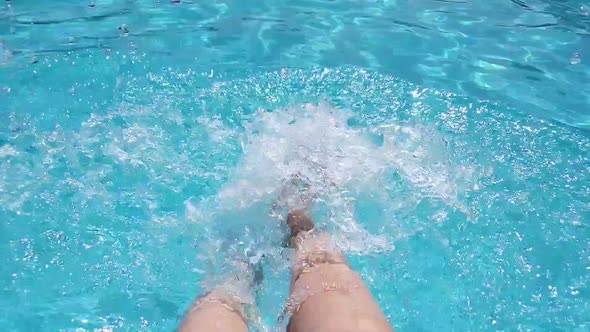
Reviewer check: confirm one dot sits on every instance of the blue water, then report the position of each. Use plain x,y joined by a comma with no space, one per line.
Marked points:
143,144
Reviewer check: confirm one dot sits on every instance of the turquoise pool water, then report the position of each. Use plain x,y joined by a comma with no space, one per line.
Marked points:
143,144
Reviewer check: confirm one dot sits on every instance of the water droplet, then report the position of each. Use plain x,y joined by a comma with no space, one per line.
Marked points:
124,29
576,59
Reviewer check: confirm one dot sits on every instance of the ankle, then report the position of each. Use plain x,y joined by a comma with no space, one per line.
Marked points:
299,222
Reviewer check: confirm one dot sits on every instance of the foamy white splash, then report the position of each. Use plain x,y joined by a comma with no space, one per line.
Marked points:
313,141
337,162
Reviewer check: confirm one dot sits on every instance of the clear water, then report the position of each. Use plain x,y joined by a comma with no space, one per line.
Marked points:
143,144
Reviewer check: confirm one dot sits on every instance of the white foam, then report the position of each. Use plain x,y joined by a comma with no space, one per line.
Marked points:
338,162
7,151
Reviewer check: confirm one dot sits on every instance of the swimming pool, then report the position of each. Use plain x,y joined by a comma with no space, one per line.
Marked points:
447,140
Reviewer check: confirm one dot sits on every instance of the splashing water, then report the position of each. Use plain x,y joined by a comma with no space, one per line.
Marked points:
338,163
132,207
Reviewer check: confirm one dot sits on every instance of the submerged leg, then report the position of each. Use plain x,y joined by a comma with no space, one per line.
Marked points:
326,294
223,309
215,313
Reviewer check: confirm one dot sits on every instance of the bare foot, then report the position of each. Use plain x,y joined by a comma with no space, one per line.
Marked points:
298,222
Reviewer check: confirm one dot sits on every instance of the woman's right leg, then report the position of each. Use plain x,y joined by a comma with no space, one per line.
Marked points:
326,294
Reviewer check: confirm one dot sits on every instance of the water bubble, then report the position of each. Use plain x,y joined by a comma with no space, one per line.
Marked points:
576,58
124,29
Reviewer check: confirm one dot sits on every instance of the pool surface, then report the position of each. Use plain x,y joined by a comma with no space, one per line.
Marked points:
143,145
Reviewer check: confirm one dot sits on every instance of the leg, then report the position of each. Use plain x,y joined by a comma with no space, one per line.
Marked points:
223,309
215,312
326,294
